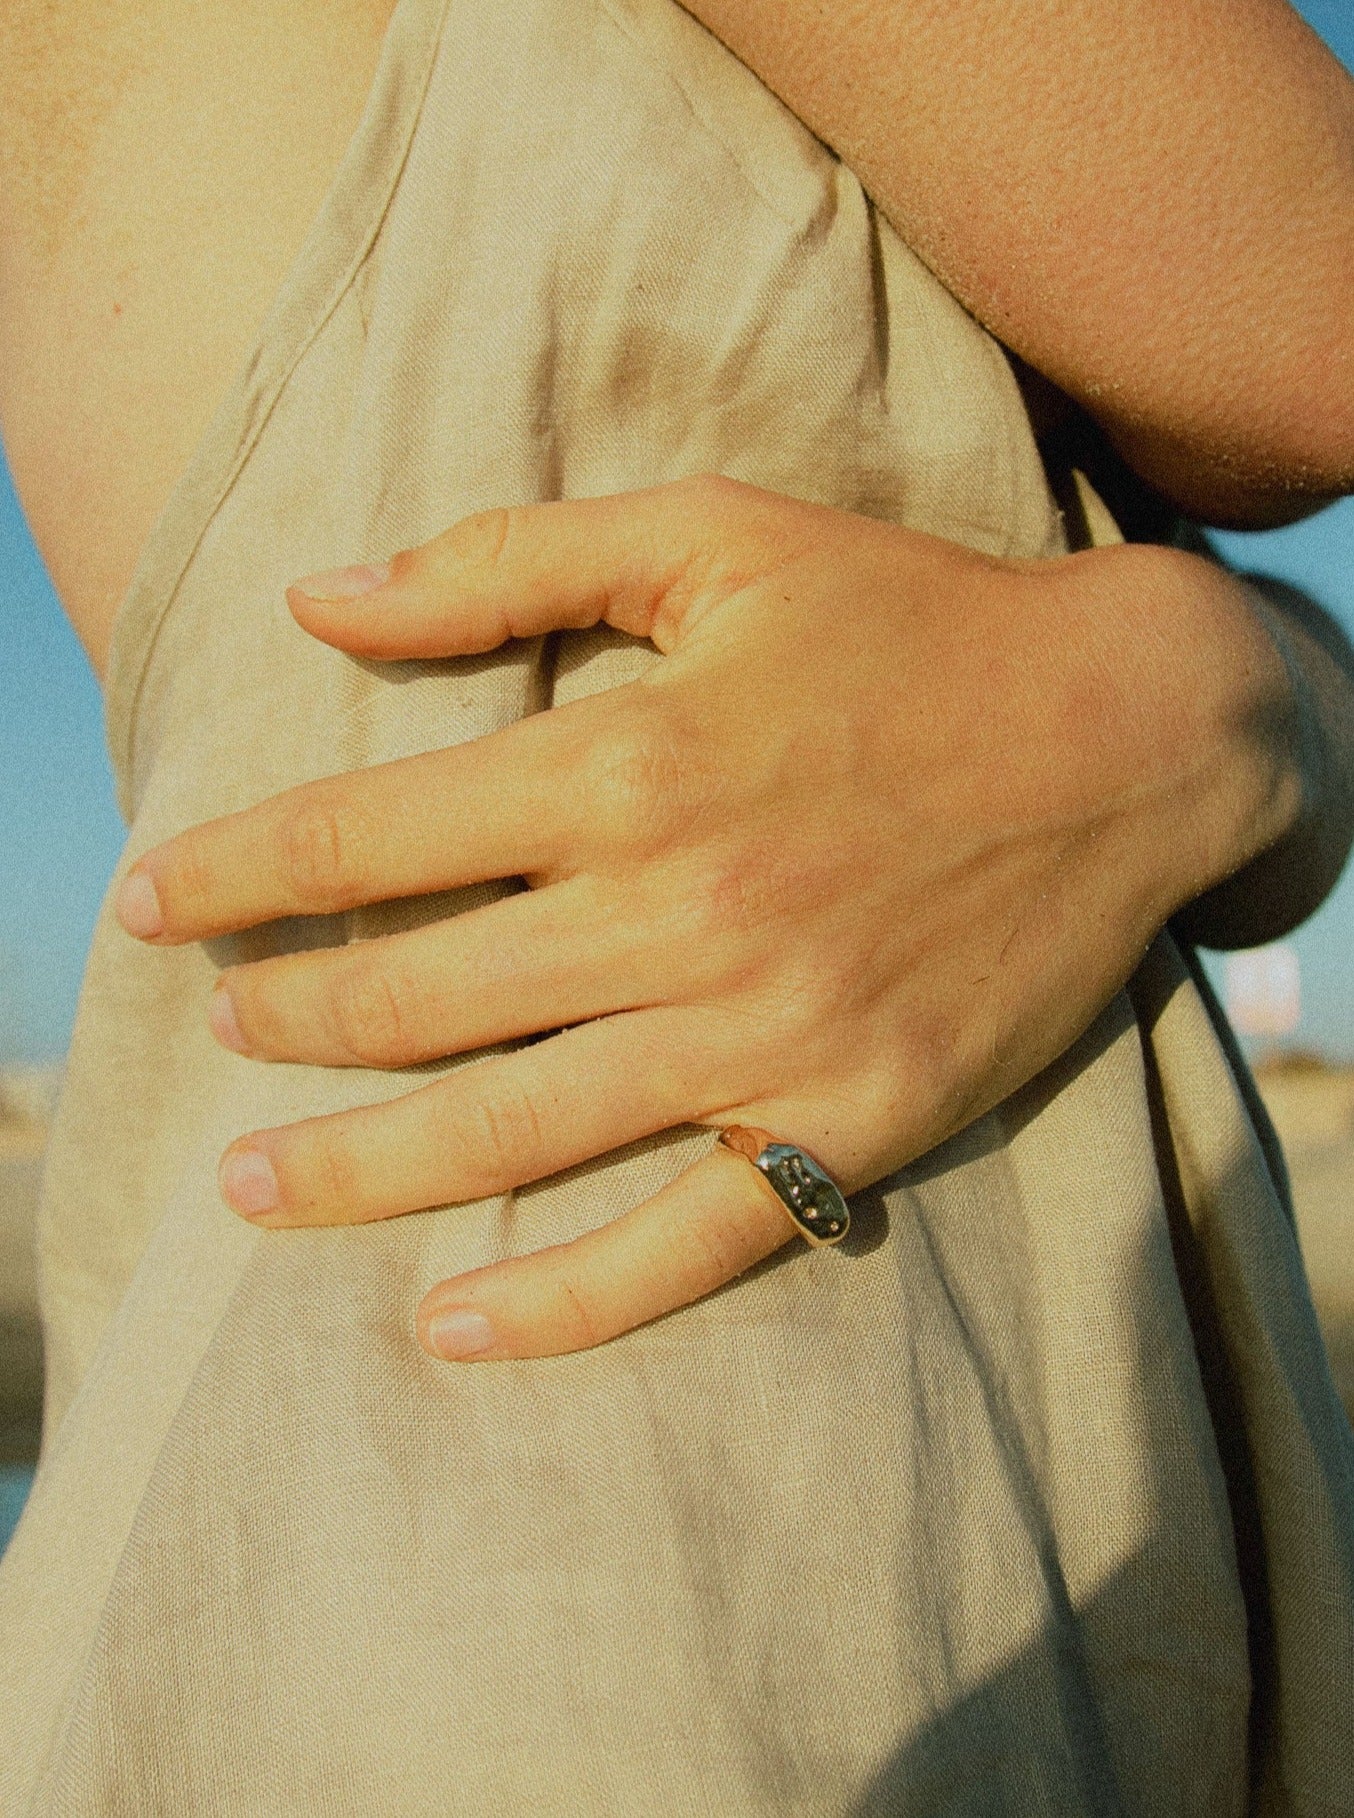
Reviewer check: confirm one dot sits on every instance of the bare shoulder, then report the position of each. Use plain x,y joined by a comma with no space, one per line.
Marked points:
62,66
160,163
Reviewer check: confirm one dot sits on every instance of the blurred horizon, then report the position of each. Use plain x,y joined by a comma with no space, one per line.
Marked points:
60,833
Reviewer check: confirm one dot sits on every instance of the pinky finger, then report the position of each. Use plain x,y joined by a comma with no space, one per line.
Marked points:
714,1221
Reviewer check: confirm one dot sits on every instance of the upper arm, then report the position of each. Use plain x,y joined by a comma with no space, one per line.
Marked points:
1152,203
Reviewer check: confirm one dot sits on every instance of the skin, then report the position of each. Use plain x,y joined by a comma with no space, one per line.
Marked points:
1152,203
1171,240
955,905
161,162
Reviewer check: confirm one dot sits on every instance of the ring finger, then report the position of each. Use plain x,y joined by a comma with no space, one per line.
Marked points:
485,1128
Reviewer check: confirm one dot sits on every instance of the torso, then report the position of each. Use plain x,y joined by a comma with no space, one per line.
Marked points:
160,163
318,1571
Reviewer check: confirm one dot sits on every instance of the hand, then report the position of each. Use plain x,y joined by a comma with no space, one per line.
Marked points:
869,848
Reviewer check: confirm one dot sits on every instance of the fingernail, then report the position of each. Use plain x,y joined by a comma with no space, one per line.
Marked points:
344,583
460,1335
248,1183
225,1025
138,907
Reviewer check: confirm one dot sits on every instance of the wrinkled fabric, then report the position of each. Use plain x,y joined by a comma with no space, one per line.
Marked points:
1033,1499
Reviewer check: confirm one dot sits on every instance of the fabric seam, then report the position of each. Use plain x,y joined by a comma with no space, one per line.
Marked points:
248,407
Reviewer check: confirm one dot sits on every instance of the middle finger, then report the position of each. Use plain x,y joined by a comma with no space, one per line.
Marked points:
537,960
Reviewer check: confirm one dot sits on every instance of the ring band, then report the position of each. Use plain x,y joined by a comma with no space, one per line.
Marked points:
808,1192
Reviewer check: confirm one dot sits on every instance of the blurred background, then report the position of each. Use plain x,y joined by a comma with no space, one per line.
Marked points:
60,835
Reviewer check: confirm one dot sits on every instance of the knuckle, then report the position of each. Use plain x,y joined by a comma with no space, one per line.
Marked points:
580,1317
317,843
811,1004
187,885
712,494
725,897
643,780
502,1137
714,1254
755,900
623,786
715,515
371,1014
803,1025
479,540
727,906
333,1170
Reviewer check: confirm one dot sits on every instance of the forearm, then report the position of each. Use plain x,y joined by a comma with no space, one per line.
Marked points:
1276,890
1232,716
1214,727
1153,204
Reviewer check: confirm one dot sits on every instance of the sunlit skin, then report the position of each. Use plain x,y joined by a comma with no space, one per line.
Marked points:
858,942
857,923
1151,202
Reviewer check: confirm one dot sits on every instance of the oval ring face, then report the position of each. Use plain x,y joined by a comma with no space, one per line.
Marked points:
808,1193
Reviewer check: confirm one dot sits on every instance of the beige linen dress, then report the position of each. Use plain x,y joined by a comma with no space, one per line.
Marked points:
1034,1500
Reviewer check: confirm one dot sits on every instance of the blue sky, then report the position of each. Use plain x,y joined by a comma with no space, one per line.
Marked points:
59,830
60,833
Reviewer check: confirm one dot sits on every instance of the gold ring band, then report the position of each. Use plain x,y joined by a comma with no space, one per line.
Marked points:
816,1204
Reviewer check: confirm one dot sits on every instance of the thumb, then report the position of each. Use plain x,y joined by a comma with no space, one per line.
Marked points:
640,561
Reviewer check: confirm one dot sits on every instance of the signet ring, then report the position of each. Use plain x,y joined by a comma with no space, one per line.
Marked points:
815,1203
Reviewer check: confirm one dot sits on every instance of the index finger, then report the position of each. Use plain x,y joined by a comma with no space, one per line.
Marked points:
494,807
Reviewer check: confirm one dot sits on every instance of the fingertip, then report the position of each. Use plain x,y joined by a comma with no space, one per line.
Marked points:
402,616
333,585
335,619
455,1334
225,1023
138,907
248,1183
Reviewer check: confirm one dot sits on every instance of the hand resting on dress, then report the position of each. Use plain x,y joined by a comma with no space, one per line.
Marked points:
868,849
